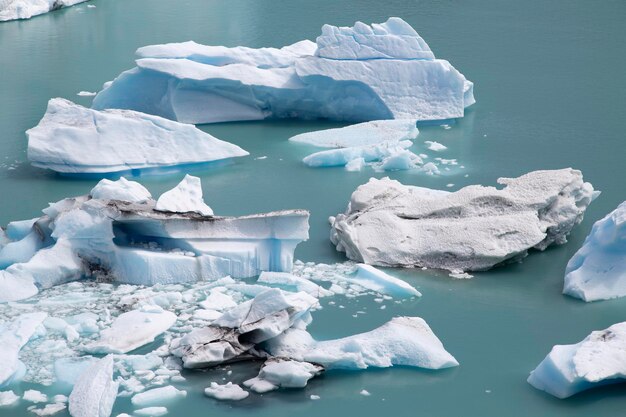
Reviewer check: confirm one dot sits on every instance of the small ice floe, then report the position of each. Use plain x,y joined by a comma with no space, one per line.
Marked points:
365,393
86,93
151,411
34,396
157,396
226,392
13,336
49,409
292,282
95,391
435,146
8,398
282,373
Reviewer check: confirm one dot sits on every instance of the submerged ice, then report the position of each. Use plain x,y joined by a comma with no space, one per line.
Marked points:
391,224
73,139
598,270
382,71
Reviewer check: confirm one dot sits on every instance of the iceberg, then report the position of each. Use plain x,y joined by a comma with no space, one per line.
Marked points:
473,229
361,134
363,73
228,391
132,242
13,336
133,329
598,270
25,9
72,139
403,341
95,391
283,373
186,197
598,360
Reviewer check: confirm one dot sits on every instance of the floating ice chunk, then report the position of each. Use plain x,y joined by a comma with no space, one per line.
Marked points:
68,370
289,281
184,198
86,93
435,146
386,72
8,398
74,139
369,153
365,393
355,165
238,330
361,134
228,392
315,397
132,330
475,228
122,190
598,360
216,300
208,315
151,411
598,270
158,396
280,373
404,341
400,160
34,396
393,39
49,409
95,391
376,280
13,336
25,9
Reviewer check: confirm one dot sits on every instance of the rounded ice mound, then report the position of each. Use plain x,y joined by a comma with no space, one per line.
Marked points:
391,224
122,190
72,139
598,270
184,198
600,359
393,39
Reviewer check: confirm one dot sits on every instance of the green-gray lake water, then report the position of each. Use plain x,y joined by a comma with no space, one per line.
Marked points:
550,81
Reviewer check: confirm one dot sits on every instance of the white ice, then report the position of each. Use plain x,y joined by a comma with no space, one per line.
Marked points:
8,398
598,270
158,396
381,152
122,190
600,359
283,373
226,392
13,336
292,282
184,198
25,9
77,140
376,280
151,411
475,228
95,391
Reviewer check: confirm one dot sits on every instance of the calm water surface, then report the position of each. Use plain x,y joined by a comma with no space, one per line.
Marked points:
550,84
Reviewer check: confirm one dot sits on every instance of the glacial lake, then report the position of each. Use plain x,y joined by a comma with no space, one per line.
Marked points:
550,86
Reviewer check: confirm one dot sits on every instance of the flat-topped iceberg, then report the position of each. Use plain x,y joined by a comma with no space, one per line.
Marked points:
25,9
391,224
600,359
133,242
598,270
383,71
72,139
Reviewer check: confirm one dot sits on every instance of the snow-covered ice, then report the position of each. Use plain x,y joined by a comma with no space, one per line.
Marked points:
8,398
226,392
383,71
599,359
133,329
598,270
72,139
123,237
283,373
475,228
34,396
361,134
186,197
25,9
95,391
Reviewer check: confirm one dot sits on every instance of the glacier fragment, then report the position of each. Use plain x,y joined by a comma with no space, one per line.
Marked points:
383,71
72,139
391,224
25,9
598,270
598,360
95,391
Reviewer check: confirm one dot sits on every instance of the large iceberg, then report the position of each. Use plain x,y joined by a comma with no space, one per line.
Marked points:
133,242
391,224
72,139
600,359
383,71
598,270
25,9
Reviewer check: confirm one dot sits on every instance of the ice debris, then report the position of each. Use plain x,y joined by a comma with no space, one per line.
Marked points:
598,360
382,71
598,270
475,228
72,139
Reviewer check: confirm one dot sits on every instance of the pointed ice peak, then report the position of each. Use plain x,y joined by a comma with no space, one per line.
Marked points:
394,39
185,197
122,190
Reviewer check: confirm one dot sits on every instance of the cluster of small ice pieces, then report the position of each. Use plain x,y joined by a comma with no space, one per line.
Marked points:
360,73
72,139
475,228
25,9
382,144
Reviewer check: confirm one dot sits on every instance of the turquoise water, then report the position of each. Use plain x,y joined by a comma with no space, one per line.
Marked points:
550,84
